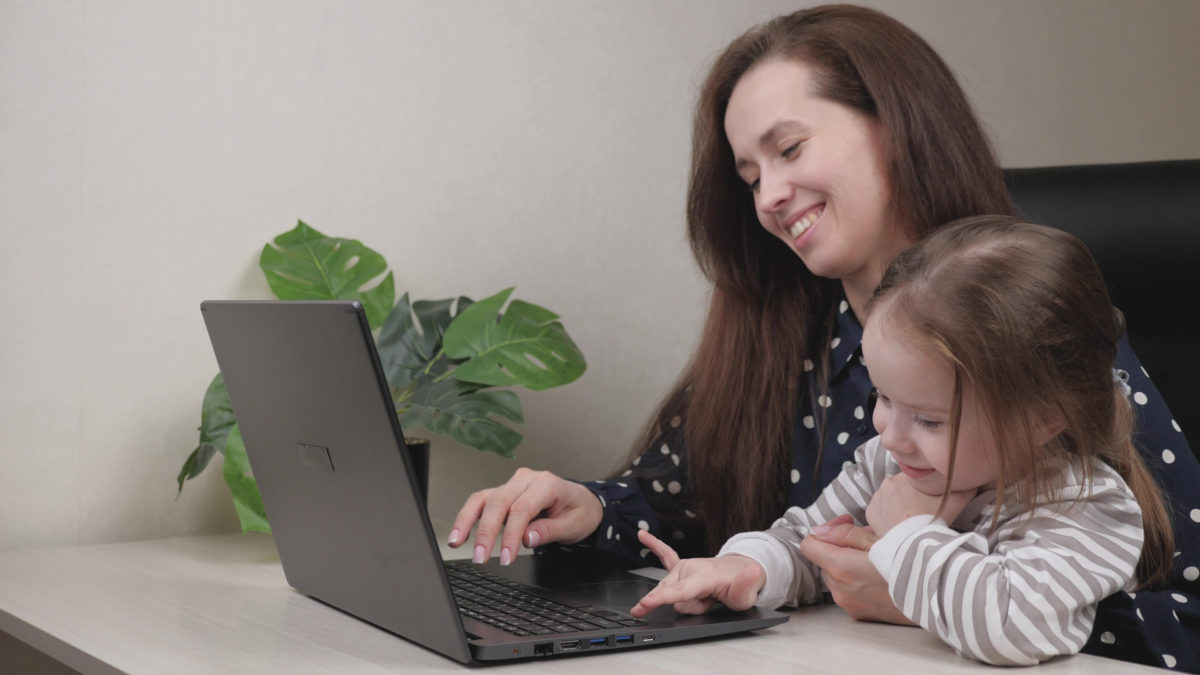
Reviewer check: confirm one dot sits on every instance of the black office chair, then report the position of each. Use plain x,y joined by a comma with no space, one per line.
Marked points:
1141,222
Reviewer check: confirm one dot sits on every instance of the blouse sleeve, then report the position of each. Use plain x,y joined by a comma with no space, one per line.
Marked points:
652,494
1159,627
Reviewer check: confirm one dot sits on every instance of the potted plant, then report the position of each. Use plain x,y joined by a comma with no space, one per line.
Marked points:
444,359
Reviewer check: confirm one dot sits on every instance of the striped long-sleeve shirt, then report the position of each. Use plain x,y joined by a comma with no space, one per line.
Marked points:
1016,594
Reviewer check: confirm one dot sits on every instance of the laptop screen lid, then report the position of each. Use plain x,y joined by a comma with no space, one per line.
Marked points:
311,400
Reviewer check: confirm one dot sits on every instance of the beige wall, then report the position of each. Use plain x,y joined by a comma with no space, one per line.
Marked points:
148,149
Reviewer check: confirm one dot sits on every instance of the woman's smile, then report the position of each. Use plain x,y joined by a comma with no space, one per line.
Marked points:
799,226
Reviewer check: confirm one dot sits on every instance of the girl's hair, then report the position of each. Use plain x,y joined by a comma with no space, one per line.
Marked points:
768,313
1021,313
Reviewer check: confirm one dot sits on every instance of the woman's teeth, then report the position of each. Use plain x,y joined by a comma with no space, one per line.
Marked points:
801,226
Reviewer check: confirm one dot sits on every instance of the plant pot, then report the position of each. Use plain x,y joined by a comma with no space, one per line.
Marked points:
418,454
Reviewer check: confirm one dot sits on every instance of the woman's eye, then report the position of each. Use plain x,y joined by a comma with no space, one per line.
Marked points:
753,185
928,424
790,151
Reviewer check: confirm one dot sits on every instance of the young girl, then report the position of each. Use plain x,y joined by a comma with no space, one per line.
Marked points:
1005,491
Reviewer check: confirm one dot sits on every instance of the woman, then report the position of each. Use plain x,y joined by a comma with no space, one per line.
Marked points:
825,142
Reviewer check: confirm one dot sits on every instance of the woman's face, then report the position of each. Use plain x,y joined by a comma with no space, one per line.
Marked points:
818,173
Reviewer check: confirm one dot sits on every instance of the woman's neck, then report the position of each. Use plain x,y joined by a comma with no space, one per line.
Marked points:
858,292
860,286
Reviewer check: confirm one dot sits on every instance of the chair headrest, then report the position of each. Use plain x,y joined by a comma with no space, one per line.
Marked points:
1141,222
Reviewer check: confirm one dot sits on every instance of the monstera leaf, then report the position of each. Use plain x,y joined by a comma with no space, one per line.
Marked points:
410,342
439,357
460,411
307,265
216,421
525,346
246,500
219,433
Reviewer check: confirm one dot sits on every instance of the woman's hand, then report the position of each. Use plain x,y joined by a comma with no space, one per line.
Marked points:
839,548
696,584
897,500
533,507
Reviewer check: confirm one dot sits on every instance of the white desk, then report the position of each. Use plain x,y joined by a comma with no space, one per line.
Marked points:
220,604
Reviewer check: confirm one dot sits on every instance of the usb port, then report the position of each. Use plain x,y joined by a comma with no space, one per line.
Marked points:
624,639
648,638
569,644
598,642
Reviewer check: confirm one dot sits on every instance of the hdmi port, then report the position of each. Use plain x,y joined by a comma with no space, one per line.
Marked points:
569,644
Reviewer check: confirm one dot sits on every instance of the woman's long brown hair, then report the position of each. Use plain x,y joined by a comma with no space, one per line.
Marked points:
768,314
1022,314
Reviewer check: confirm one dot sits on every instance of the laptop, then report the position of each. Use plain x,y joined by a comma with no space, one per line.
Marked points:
349,518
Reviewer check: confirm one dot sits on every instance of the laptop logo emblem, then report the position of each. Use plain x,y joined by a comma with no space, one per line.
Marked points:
315,457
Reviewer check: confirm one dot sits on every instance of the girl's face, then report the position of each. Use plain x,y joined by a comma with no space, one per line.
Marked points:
912,413
817,170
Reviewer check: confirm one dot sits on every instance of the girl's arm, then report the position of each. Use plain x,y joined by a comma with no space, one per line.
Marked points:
1028,591
790,577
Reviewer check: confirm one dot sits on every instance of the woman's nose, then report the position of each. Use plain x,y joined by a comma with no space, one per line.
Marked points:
773,192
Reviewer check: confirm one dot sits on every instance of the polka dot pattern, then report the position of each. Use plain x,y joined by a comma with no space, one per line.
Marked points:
1146,623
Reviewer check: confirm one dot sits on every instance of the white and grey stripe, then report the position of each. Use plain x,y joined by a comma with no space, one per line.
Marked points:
1017,594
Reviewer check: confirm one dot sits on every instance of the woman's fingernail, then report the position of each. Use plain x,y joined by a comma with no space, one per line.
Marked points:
453,538
480,554
533,538
821,529
505,556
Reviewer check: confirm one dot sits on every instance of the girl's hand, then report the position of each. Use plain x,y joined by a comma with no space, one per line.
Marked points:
839,548
533,508
897,500
696,584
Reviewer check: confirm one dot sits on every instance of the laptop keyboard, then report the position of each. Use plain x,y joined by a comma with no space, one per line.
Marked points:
514,608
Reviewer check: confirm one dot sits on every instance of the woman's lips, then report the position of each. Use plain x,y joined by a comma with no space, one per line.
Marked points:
802,224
